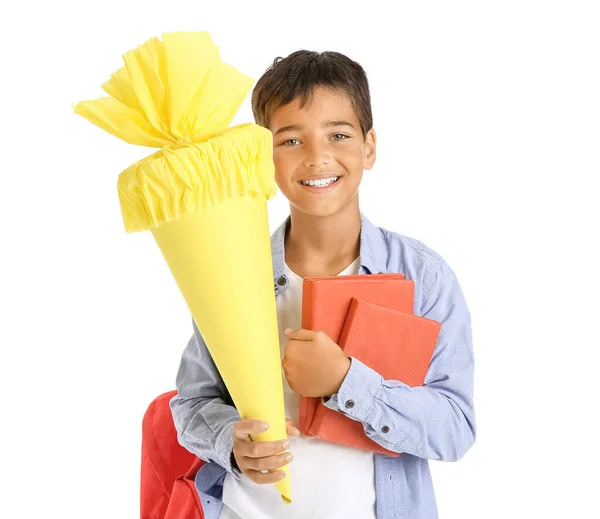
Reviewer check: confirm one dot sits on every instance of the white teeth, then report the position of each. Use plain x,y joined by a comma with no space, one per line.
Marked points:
319,183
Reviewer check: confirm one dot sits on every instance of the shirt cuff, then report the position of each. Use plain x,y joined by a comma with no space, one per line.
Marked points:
224,448
356,394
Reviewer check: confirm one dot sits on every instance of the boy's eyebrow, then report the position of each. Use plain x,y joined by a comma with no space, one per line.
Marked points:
339,123
291,127
297,127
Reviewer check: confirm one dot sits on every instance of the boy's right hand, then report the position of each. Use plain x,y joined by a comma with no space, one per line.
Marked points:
254,457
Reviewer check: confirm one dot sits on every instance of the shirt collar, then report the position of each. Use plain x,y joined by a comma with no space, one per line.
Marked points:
373,251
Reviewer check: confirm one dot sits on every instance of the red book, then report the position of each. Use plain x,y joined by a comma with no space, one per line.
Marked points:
325,304
396,345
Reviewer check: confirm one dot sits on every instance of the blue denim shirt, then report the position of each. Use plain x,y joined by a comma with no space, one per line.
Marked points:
435,421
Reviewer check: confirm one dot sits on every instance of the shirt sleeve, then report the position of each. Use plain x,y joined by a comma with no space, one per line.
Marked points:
202,409
433,421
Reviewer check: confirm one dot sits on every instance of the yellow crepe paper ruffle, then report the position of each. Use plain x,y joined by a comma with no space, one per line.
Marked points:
175,182
177,95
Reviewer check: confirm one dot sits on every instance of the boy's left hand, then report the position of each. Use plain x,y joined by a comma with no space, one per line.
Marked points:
313,363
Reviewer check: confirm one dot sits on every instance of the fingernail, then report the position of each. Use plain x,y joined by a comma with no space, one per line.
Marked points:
286,445
264,426
281,475
288,330
289,457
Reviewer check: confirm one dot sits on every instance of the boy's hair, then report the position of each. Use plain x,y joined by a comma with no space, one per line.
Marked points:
302,71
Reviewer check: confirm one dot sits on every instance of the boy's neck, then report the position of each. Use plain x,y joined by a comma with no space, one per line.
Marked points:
318,247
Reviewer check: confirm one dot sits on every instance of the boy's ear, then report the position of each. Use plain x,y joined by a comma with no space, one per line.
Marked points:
370,149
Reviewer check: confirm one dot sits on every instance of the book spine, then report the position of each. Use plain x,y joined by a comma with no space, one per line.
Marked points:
316,426
307,299
307,313
348,322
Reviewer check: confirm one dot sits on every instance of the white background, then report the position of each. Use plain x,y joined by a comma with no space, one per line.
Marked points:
488,118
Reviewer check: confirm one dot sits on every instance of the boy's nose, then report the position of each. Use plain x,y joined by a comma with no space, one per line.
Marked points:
316,156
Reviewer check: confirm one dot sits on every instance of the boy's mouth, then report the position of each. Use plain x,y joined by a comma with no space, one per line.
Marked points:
320,183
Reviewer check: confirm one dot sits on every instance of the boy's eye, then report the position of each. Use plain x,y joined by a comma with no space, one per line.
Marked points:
336,137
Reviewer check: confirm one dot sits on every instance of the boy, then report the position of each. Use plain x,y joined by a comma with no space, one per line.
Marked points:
317,105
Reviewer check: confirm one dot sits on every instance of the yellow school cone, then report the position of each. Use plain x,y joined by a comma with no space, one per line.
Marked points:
204,198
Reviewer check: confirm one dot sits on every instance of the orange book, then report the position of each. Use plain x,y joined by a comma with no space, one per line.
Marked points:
325,304
396,345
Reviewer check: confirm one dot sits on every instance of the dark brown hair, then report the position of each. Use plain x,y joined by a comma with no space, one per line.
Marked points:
302,71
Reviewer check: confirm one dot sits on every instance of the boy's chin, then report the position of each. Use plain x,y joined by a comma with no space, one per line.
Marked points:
320,210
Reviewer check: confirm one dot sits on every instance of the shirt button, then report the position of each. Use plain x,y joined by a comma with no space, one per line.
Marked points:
281,281
385,429
349,404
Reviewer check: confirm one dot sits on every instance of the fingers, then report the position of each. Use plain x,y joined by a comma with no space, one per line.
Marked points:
255,457
262,478
261,449
260,461
270,463
300,334
243,428
290,429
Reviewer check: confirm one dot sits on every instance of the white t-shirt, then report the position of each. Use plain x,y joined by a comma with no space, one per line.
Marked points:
328,480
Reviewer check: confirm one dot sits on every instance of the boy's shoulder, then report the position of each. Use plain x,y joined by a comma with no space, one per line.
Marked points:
417,247
398,249
387,251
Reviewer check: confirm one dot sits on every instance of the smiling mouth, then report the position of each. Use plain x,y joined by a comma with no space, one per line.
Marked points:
324,182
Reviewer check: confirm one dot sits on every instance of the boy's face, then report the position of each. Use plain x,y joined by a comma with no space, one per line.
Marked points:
321,141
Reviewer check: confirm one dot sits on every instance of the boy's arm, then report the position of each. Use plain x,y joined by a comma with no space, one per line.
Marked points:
203,412
436,420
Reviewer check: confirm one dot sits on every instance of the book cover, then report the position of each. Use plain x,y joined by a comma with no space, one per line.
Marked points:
397,345
325,304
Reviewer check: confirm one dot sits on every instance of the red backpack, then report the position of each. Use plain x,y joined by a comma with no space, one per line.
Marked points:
167,489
